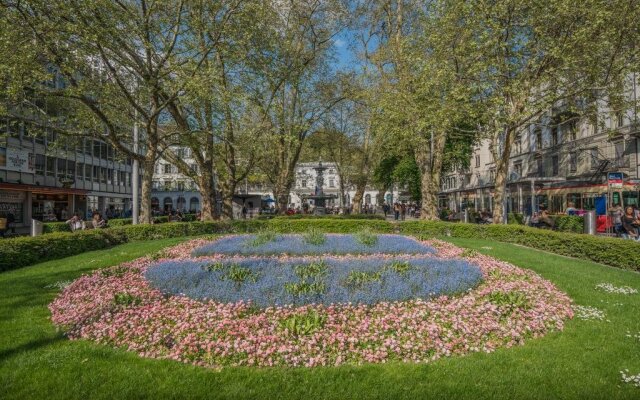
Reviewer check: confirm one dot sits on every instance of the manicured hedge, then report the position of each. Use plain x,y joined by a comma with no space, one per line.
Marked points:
610,251
564,223
50,227
329,216
23,251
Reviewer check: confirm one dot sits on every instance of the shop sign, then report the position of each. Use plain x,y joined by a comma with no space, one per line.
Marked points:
17,160
615,180
8,196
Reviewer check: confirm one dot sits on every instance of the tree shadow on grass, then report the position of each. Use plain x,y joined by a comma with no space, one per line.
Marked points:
33,345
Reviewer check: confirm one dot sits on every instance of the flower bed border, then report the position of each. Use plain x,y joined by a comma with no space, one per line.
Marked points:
116,306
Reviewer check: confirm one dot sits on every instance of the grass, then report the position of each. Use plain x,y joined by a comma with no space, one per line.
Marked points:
583,362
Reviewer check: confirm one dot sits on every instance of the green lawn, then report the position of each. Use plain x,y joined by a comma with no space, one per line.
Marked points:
580,363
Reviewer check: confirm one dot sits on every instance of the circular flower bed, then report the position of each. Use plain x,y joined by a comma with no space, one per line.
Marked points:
118,306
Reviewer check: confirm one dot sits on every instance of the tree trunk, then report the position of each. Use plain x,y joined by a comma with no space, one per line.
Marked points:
146,216
207,194
227,206
281,195
502,169
227,190
428,157
343,193
501,157
380,196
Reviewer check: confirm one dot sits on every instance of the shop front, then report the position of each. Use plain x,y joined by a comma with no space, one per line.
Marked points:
26,202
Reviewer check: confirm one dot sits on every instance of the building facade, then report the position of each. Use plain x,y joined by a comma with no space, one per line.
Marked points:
43,180
556,161
173,191
305,185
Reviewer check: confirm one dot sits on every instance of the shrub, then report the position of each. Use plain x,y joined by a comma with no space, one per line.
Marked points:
51,227
23,251
563,223
610,251
329,216
569,223
314,237
366,237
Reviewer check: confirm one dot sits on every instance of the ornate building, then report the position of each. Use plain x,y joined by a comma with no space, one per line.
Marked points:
559,159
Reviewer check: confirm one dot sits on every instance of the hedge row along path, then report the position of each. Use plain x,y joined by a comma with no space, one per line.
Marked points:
24,251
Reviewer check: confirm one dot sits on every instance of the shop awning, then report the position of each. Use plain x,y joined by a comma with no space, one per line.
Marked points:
42,189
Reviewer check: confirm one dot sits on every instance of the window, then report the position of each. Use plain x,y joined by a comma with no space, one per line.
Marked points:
555,165
103,175
619,119
517,145
595,160
180,153
155,185
180,185
620,158
492,175
51,136
96,149
554,136
477,161
540,166
109,176
71,168
538,134
40,164
87,147
573,161
62,167
123,178
167,168
194,168
51,166
304,183
87,172
573,131
517,168
332,183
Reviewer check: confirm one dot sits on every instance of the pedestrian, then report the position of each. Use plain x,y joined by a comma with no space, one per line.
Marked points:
403,211
396,211
75,222
11,219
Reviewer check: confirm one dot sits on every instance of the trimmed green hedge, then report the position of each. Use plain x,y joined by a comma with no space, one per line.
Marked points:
23,251
615,252
564,223
50,227
329,216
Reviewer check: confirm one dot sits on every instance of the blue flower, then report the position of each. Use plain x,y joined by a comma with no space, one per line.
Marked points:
295,245
427,277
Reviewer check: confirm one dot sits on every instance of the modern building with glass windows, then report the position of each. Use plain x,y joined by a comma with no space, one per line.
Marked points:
44,180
